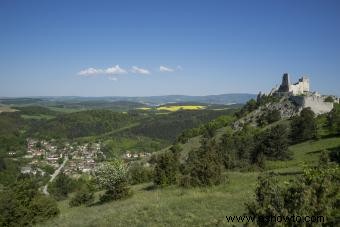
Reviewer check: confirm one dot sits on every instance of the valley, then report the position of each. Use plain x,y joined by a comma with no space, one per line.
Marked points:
72,145
169,113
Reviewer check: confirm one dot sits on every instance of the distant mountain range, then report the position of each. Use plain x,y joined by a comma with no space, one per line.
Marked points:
223,99
209,99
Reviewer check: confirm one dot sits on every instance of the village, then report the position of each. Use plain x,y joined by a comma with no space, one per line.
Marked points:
82,158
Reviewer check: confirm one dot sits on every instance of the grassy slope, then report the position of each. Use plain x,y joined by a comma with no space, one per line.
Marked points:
183,207
165,207
307,152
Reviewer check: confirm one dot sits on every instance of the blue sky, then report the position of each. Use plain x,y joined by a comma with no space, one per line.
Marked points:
139,48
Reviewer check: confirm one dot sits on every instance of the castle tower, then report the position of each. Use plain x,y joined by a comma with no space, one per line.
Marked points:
285,83
305,84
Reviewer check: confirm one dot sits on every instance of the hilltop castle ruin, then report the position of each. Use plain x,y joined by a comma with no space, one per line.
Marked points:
289,99
299,88
299,93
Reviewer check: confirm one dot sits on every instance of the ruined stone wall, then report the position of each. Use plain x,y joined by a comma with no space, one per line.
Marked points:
300,87
317,104
296,89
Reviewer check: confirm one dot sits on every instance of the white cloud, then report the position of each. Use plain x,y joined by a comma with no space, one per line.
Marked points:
115,70
90,72
138,70
165,69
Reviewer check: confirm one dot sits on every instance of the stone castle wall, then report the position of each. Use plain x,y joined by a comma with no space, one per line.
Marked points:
316,103
300,87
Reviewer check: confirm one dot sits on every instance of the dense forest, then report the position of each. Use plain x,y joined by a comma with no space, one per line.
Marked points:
169,126
83,123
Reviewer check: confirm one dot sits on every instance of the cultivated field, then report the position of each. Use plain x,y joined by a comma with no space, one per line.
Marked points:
176,108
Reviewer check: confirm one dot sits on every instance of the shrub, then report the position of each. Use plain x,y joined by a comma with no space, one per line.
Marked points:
61,186
334,119
304,127
269,117
274,142
236,149
329,99
334,155
314,194
139,174
185,181
83,197
112,176
23,205
250,106
166,167
43,208
203,166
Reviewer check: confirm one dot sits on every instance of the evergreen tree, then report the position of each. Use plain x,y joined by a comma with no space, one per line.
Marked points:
61,186
274,142
21,204
329,99
203,166
167,167
334,119
304,127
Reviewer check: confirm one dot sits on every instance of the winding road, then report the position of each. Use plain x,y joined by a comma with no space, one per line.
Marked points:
54,175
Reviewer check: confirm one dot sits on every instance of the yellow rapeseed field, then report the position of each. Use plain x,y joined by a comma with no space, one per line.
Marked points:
143,108
176,108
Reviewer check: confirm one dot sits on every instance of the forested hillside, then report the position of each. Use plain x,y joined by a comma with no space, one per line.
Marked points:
168,127
79,124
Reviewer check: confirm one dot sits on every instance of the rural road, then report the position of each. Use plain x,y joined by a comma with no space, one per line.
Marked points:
54,175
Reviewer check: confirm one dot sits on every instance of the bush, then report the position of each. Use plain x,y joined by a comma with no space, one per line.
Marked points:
334,155
61,186
236,148
120,192
112,176
203,166
250,106
334,119
166,167
82,197
139,174
314,194
269,117
274,142
185,181
23,205
304,127
43,208
329,99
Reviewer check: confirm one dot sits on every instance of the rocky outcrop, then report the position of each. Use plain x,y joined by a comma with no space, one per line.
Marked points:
289,99
285,106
